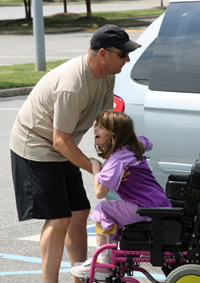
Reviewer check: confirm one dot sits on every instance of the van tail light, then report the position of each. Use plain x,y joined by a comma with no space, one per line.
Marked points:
118,104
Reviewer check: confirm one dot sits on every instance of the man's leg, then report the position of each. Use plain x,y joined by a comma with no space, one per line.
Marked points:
51,246
76,239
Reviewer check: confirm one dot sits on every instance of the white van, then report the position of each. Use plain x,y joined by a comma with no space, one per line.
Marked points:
160,88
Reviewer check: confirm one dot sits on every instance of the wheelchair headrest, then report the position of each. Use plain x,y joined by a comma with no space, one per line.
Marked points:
195,175
177,187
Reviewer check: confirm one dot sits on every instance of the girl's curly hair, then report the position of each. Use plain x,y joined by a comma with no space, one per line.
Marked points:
121,128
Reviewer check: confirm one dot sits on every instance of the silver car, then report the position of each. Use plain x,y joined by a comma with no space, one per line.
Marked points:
160,88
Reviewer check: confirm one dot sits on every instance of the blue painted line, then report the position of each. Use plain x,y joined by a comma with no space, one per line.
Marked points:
30,259
64,270
156,276
23,272
136,274
91,229
21,258
20,272
63,264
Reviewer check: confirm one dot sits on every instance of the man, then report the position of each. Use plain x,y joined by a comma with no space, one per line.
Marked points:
44,152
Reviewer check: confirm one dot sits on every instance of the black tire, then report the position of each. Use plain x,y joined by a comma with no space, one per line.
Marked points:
188,273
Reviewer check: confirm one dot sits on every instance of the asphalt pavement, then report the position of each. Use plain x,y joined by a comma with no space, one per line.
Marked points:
20,259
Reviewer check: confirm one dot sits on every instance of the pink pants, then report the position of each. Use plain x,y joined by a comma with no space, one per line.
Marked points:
118,212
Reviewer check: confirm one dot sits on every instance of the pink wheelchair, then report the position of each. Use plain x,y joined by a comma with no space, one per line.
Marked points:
170,241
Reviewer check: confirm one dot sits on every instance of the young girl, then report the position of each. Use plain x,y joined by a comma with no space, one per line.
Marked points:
117,143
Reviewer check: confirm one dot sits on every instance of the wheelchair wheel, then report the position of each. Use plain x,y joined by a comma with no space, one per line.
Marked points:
188,273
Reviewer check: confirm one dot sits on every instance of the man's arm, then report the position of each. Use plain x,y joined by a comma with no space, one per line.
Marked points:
62,143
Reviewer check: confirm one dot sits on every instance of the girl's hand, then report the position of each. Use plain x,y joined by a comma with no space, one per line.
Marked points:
126,173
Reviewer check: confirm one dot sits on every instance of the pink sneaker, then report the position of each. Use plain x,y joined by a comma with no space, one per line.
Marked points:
83,271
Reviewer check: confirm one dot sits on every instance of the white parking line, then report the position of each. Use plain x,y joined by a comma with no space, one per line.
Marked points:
90,231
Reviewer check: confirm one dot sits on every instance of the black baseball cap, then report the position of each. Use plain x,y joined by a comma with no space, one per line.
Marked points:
112,36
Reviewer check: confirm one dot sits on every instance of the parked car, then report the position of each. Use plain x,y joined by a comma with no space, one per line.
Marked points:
160,89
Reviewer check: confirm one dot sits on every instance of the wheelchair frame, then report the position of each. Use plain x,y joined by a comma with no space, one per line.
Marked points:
170,240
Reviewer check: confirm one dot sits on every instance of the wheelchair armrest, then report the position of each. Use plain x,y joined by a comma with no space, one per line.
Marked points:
177,203
180,178
160,212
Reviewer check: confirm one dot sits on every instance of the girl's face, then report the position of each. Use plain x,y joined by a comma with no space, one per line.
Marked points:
101,135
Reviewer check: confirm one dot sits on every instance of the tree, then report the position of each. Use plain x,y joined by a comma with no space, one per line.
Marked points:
65,6
88,6
27,4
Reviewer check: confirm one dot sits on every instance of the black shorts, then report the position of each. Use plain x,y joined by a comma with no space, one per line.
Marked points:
47,190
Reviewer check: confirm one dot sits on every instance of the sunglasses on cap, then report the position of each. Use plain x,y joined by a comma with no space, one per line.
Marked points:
121,54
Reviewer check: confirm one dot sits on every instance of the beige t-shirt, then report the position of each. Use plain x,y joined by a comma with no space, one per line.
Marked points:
67,98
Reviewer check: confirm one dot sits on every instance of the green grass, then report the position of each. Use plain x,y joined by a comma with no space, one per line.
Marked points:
11,2
130,13
24,74
123,18
21,2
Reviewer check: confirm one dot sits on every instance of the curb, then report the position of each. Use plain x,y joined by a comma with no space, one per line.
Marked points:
10,92
47,31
